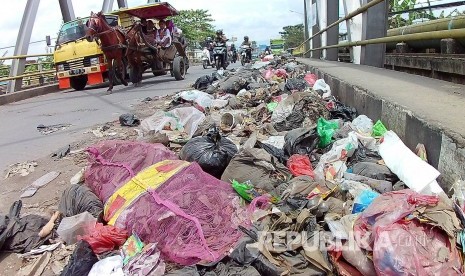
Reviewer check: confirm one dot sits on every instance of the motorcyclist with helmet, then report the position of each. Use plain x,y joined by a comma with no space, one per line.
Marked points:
220,40
246,42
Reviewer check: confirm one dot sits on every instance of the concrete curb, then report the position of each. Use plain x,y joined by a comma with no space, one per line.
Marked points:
445,149
28,93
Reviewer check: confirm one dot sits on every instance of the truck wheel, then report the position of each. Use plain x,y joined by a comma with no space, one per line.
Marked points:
78,82
179,68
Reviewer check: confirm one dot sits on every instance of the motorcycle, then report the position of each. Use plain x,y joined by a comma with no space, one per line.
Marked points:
245,55
207,61
220,55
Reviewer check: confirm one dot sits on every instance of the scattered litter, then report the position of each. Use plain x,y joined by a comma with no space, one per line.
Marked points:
62,152
52,128
41,249
22,169
129,120
72,227
39,183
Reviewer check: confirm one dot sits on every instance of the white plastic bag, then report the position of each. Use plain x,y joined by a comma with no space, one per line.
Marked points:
111,266
201,98
363,125
414,172
321,85
78,225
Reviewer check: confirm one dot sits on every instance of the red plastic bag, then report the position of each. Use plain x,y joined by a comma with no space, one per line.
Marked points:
311,79
300,165
105,238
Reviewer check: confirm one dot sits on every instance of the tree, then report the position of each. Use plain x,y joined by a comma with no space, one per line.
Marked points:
196,26
293,36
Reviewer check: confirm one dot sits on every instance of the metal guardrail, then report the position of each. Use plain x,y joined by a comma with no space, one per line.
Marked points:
29,76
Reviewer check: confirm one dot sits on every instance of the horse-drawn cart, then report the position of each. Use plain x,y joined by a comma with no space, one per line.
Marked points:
143,52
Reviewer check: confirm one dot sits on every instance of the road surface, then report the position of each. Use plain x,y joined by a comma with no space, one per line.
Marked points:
21,141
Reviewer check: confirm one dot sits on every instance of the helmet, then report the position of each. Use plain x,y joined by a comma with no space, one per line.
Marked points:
219,32
209,39
246,38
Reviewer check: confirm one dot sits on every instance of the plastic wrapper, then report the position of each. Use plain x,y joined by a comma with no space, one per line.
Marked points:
310,79
179,124
81,261
363,200
72,227
296,84
110,266
212,152
414,172
131,248
323,88
104,238
375,171
326,130
202,99
379,129
129,120
300,165
300,141
363,124
341,111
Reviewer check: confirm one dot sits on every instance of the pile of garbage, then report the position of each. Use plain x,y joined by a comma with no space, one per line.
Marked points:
256,171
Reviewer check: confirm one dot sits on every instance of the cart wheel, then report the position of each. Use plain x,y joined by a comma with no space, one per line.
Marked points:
179,68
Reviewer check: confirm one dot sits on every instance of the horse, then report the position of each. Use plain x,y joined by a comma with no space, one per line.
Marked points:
113,44
134,53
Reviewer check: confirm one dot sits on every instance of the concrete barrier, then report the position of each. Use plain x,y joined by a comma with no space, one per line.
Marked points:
28,93
418,109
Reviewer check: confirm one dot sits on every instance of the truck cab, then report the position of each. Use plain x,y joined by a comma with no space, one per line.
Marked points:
79,62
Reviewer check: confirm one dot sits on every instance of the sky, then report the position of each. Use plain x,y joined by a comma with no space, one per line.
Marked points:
259,19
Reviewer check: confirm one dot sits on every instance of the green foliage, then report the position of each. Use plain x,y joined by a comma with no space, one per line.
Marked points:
196,26
293,35
400,20
4,70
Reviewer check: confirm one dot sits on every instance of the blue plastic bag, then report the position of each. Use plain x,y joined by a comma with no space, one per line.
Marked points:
363,200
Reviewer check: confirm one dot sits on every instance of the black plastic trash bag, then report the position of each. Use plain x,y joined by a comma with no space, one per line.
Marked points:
300,141
203,82
212,152
21,235
129,120
81,261
78,199
362,154
375,171
278,153
341,111
296,84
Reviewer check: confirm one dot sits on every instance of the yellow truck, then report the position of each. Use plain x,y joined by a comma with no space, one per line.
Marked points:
77,61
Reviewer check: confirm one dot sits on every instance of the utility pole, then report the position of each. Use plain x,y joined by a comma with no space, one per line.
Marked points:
306,34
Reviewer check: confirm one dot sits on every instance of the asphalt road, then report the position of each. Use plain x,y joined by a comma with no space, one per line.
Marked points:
21,141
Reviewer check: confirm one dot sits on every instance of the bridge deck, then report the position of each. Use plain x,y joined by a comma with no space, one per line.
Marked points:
419,109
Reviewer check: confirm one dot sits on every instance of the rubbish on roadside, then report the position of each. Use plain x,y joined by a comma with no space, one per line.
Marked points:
322,88
104,238
37,267
41,249
131,248
72,227
300,141
381,186
173,197
203,82
147,262
414,172
326,131
230,120
275,141
310,79
363,200
129,120
110,266
62,152
363,125
113,163
420,151
21,234
340,111
78,178
21,169
379,129
77,199
148,99
300,165
272,106
200,98
219,103
179,124
52,128
48,228
373,170
39,183
212,152
296,85
459,194
81,261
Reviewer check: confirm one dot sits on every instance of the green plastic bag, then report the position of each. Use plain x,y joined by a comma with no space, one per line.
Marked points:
379,129
243,189
325,131
272,106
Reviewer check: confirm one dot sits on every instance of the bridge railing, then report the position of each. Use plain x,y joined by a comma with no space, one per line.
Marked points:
30,78
373,38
